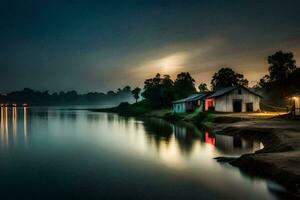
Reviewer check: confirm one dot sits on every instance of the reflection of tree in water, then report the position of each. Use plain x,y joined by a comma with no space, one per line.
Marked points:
40,114
186,137
185,134
69,116
111,117
91,117
159,130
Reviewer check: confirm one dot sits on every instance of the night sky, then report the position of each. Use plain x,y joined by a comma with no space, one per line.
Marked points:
101,45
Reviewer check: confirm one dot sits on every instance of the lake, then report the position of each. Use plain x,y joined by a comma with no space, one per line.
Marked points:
54,153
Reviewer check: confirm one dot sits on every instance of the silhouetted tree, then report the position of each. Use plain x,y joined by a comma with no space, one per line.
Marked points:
226,77
152,90
281,66
167,90
127,88
283,79
262,82
202,87
184,85
159,91
136,93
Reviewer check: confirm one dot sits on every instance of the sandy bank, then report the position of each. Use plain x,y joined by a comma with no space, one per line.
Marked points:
279,160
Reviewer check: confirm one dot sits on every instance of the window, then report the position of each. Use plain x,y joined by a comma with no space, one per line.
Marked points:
239,91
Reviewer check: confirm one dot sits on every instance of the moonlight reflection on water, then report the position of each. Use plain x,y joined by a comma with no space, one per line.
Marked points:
51,153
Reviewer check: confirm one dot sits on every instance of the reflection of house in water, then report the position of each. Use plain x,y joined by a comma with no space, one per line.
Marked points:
230,144
187,132
210,139
186,136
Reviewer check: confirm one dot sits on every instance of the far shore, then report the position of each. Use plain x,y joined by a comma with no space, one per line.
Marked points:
280,135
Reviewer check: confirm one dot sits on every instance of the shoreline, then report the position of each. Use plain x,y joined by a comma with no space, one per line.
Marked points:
279,160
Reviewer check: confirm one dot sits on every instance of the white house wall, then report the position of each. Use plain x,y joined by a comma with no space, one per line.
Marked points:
297,105
225,103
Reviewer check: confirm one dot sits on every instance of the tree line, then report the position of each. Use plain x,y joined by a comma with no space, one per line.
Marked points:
38,98
283,79
160,90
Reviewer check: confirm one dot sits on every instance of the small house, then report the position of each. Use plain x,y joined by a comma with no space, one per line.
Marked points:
233,99
296,102
190,103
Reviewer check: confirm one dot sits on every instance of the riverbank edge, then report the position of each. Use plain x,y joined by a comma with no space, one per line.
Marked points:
258,163
277,161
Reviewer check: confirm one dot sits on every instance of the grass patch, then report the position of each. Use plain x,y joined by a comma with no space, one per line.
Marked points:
136,109
203,117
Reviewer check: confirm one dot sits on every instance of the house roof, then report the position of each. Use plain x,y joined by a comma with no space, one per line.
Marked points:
223,91
193,97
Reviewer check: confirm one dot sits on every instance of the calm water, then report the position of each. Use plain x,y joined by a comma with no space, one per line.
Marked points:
56,154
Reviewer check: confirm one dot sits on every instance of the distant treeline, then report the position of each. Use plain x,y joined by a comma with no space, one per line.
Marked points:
38,98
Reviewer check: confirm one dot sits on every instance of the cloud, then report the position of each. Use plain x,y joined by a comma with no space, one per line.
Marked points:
175,58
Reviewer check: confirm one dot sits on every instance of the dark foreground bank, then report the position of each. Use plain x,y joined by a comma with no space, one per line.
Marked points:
279,160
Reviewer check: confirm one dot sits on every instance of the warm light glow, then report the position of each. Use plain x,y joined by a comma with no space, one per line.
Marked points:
170,63
25,124
4,126
170,154
14,121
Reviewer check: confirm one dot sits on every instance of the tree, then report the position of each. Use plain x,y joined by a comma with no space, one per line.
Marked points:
167,90
203,87
152,90
262,82
283,79
281,66
184,85
127,88
226,77
136,93
159,91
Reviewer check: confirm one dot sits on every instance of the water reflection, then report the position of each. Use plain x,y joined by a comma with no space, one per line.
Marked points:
236,145
183,137
107,152
174,143
4,126
25,124
9,124
14,122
